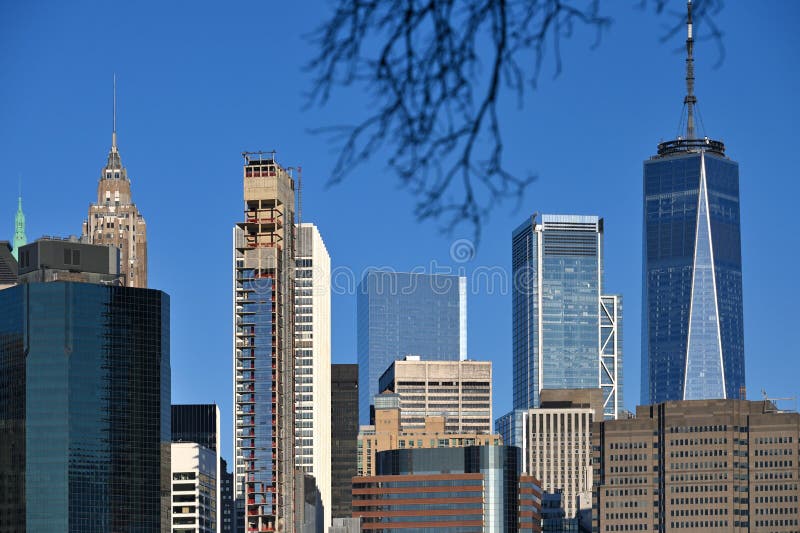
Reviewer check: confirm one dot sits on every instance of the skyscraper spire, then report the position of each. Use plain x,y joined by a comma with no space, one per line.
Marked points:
114,130
690,100
20,239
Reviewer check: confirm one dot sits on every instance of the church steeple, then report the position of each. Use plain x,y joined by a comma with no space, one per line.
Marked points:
20,239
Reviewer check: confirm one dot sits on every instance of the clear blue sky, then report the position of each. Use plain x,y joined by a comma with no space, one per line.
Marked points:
201,81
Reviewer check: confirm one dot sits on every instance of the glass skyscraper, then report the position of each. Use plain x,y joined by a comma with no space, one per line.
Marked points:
692,325
84,408
566,333
403,314
692,316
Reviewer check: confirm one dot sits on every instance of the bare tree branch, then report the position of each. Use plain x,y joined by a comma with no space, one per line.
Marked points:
435,110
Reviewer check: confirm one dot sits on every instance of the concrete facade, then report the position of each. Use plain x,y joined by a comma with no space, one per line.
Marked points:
195,489
459,391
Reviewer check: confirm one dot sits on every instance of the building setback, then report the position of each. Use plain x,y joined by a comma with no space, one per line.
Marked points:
312,348
474,488
344,433
693,318
389,433
698,465
84,408
459,391
403,314
116,221
567,334
555,440
263,350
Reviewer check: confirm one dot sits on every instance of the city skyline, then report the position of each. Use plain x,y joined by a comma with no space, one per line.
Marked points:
155,131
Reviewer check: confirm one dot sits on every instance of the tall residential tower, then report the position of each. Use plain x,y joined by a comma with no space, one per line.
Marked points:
566,333
312,348
692,319
263,349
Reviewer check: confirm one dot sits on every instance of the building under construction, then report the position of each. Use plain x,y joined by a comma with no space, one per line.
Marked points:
263,351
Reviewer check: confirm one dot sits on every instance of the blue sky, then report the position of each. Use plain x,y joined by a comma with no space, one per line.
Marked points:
200,82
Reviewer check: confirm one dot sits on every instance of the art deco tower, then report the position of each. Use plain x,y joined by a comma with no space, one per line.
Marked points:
263,349
692,325
115,220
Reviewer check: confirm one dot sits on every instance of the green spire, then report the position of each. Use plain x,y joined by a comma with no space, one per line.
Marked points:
19,230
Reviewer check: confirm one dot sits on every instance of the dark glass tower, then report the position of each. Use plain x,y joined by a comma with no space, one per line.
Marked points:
84,408
196,423
344,437
692,319
401,314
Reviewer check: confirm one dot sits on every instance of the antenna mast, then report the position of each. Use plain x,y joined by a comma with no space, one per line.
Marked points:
690,100
114,129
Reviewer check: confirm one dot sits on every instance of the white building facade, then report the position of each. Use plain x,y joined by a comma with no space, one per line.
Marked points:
313,360
194,489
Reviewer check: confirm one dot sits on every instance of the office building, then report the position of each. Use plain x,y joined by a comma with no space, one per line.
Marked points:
692,319
115,220
459,391
344,435
20,238
698,465
312,348
84,408
8,266
555,440
195,494
199,424
263,349
567,333
476,488
407,314
389,433
227,504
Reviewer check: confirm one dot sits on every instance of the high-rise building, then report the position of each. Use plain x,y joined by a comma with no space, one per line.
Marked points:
692,319
84,407
475,488
407,314
20,239
115,220
195,489
344,433
199,424
458,391
57,259
312,348
263,346
9,268
555,439
567,334
389,433
698,465
228,505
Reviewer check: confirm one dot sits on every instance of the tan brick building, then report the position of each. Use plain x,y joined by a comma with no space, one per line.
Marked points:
389,434
701,465
116,221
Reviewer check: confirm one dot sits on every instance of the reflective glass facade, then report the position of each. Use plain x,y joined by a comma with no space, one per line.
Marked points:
92,399
403,314
344,434
559,340
692,327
